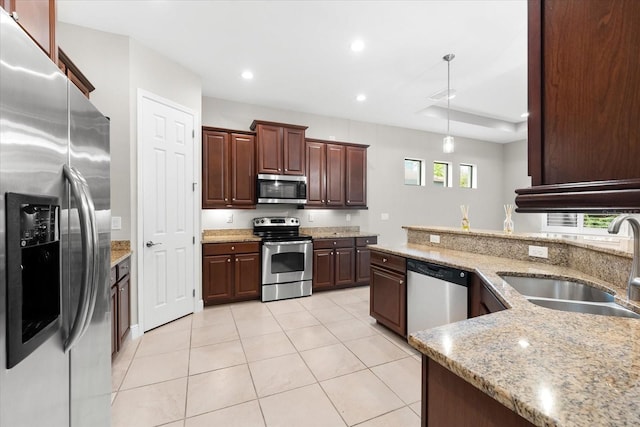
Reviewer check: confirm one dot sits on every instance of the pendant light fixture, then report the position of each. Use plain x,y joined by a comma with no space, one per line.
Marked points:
448,142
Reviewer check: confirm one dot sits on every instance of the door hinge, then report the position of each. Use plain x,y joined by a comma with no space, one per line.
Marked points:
194,240
193,292
193,186
193,133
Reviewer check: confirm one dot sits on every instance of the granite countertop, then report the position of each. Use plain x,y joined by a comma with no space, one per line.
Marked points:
553,368
230,238
119,255
339,234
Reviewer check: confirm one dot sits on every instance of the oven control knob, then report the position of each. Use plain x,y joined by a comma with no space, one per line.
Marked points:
262,221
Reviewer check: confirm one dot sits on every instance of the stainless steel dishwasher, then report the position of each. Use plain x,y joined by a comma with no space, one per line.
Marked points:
436,295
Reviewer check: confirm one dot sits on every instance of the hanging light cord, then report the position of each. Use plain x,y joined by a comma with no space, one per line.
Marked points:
449,57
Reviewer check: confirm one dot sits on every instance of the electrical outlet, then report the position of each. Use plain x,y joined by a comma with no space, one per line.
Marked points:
539,251
229,218
347,217
116,222
310,217
434,238
384,216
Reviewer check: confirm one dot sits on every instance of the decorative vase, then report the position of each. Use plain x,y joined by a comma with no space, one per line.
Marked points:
465,217
508,222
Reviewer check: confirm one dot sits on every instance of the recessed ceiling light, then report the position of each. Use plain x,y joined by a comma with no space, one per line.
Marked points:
361,98
524,115
247,75
357,45
442,94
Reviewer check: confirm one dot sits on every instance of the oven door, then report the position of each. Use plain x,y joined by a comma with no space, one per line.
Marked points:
289,261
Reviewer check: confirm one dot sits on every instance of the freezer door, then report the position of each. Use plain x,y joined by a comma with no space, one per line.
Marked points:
33,150
91,355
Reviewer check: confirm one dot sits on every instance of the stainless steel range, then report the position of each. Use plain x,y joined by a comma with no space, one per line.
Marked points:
287,258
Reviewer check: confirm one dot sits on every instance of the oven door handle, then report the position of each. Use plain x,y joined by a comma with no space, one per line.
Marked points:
287,243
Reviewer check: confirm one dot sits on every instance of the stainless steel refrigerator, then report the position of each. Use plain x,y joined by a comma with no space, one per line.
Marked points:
55,334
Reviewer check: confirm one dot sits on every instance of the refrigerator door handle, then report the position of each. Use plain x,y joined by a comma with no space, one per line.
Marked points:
82,316
95,253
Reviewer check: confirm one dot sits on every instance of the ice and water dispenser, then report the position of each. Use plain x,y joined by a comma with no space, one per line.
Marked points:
33,272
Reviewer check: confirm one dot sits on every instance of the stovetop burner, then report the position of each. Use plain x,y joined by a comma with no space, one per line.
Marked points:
278,229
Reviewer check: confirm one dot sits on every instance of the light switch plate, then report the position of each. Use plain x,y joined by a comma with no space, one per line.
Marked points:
230,218
384,216
116,223
310,217
434,238
347,217
538,251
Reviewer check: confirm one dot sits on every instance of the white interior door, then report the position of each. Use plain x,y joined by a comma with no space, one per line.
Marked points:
168,202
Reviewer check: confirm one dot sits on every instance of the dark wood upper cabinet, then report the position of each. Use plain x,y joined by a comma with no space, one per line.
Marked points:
74,74
356,176
38,19
316,173
584,122
228,169
335,175
281,148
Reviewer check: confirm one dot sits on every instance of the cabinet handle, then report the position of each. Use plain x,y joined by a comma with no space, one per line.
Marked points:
279,169
401,282
229,260
337,252
335,243
286,170
234,199
367,241
358,251
226,199
233,248
348,201
322,201
384,260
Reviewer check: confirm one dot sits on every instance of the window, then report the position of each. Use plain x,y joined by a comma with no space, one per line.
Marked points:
576,223
468,176
413,172
442,174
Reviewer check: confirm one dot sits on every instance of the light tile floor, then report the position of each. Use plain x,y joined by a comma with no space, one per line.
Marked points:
316,361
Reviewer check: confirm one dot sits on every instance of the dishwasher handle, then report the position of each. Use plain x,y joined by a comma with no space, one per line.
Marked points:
448,274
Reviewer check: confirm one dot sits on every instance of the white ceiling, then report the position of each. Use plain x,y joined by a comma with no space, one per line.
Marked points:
299,52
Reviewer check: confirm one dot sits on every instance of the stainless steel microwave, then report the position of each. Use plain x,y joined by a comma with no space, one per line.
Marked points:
282,189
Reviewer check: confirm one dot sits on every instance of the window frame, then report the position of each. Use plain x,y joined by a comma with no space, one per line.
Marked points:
421,173
448,178
579,229
473,179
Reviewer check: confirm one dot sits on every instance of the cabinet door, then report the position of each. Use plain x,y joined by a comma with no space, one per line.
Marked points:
243,172
217,279
269,149
388,299
316,173
363,265
356,176
38,18
215,169
247,276
114,321
323,268
293,151
335,175
345,266
124,307
583,87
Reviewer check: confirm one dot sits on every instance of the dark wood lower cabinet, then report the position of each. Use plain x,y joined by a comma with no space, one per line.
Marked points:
120,304
448,400
341,262
230,272
483,301
388,299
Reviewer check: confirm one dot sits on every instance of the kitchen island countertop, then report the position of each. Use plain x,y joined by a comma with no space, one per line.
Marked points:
553,368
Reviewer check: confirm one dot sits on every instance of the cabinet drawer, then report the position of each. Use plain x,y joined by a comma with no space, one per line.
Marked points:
344,242
230,248
114,276
123,268
364,241
391,262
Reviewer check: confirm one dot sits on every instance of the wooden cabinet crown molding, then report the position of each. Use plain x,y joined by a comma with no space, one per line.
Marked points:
255,123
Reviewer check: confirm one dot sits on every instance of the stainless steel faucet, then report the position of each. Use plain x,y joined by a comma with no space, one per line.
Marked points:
633,290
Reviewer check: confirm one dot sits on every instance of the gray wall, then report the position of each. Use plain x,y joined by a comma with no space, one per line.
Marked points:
118,66
515,176
405,205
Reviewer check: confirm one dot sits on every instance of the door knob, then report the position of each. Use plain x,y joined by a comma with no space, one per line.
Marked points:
150,243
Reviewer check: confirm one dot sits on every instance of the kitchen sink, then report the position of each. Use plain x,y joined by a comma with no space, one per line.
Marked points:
566,295
605,309
557,289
